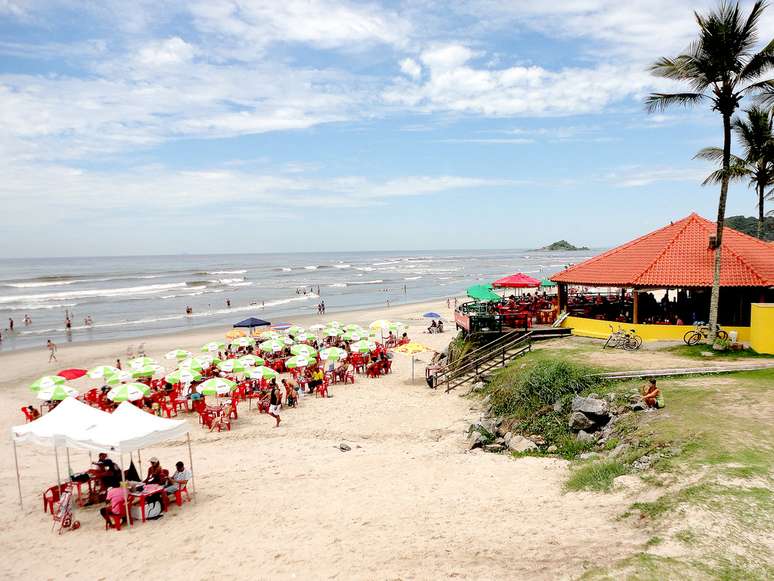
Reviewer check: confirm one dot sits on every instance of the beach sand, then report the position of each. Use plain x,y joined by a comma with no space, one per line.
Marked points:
407,502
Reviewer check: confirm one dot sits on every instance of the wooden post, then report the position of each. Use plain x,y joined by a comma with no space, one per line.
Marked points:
635,306
562,293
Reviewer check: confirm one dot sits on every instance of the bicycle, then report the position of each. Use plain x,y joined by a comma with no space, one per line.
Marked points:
629,341
700,332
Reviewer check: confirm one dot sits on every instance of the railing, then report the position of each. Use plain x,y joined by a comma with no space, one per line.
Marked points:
493,355
485,348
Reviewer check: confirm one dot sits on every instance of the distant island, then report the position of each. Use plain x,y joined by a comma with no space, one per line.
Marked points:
561,246
749,225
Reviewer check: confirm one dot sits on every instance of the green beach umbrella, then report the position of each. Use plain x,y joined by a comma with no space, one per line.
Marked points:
232,366
262,372
206,360
298,361
243,342
128,392
354,336
333,354
362,347
294,330
191,363
303,350
147,371
272,346
213,346
183,376
46,382
251,360
333,332
317,327
177,354
103,371
268,335
547,282
334,324
353,327
138,362
56,393
216,386
301,337
482,292
120,377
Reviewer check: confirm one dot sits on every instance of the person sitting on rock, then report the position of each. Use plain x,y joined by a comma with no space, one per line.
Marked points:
651,394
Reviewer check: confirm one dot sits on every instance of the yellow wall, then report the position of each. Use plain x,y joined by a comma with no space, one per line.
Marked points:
601,330
762,328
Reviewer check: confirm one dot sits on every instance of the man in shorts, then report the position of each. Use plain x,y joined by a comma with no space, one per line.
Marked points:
275,399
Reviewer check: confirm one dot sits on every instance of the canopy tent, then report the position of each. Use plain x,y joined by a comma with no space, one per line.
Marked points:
547,283
251,322
483,292
73,424
518,280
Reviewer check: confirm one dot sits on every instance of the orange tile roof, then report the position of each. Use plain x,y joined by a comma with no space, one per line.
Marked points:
678,255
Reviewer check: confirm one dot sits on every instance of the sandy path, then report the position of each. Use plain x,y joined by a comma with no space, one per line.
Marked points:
407,502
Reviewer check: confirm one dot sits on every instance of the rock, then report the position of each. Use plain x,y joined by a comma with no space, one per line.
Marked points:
552,449
499,441
538,439
558,406
593,396
507,437
610,397
478,386
637,407
486,400
475,440
643,462
590,406
619,450
583,436
588,455
494,448
579,421
521,444
626,482
344,447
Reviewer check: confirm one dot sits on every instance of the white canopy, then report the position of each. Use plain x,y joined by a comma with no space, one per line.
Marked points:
77,425
63,426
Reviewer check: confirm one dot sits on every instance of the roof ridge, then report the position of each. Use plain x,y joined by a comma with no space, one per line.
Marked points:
622,247
668,245
741,259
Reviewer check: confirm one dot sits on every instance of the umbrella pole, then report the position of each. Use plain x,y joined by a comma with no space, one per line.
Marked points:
56,460
18,479
139,461
125,485
412,369
190,465
69,469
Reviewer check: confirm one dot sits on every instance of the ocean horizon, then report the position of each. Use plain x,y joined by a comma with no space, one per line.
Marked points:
131,296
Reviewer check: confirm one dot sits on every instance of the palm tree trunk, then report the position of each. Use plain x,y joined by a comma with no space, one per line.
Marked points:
715,296
761,218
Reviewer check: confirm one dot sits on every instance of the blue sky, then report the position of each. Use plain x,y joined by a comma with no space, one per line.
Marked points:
198,126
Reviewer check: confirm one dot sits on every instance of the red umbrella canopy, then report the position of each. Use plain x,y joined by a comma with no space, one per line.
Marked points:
518,280
72,373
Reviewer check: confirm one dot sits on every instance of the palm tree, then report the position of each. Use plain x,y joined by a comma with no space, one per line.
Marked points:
756,136
721,68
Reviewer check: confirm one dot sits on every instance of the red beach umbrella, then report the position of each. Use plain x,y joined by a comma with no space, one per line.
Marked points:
72,373
518,280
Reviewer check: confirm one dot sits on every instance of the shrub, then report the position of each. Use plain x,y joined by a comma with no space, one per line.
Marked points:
597,476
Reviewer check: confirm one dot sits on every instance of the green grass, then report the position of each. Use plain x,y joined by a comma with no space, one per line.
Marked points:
695,352
596,476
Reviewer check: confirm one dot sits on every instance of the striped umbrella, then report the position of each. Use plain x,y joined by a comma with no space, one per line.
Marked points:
333,332
333,354
128,392
47,381
295,330
138,362
304,351
191,363
272,346
56,393
178,354
251,360
317,327
334,324
380,324
206,360
354,336
119,378
147,371
301,337
362,347
268,335
243,342
102,371
213,346
262,372
232,366
216,386
298,361
183,376
353,327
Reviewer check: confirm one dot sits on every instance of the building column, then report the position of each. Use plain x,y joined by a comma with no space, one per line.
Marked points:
635,306
562,293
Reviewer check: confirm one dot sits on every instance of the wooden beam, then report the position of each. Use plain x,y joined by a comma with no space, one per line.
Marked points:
635,306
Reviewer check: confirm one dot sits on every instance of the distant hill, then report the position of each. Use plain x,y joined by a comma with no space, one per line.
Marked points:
749,225
562,246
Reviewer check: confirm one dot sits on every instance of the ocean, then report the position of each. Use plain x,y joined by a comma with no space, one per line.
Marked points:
128,297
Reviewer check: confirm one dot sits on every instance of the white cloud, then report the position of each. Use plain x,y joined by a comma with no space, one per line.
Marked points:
163,53
411,67
637,177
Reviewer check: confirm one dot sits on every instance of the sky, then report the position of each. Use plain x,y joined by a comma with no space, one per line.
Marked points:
162,127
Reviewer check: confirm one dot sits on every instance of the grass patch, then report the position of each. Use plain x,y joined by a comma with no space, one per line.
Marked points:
695,352
596,476
687,537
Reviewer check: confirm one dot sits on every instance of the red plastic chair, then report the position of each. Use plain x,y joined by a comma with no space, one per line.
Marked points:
51,497
167,409
373,371
117,519
179,495
322,389
233,412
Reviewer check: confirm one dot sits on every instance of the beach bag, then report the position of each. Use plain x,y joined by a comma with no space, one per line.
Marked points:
152,510
660,403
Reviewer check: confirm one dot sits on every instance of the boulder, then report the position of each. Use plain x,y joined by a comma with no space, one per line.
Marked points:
588,455
637,407
643,462
344,447
521,444
507,437
579,421
475,440
590,406
477,387
619,450
584,436
552,449
558,406
538,439
494,448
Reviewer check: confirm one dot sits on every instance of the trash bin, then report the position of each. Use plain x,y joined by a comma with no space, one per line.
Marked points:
732,336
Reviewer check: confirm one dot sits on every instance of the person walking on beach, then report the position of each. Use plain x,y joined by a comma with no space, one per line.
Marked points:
228,303
275,399
51,350
10,324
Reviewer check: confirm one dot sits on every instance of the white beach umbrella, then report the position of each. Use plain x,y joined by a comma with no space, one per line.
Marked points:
128,392
56,393
103,371
178,354
333,354
262,372
138,362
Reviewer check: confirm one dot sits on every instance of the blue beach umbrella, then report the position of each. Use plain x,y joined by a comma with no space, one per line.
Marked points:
432,315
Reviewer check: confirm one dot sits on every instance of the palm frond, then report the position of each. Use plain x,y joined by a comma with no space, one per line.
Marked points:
661,101
734,173
759,64
710,154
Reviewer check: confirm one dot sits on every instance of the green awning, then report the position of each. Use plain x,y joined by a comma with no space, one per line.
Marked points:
483,292
547,282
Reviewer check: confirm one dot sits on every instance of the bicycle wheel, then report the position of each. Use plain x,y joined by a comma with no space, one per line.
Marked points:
692,337
722,334
637,341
